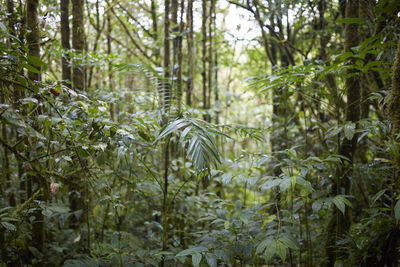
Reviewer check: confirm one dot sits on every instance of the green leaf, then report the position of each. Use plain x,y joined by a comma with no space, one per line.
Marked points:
30,68
340,201
3,27
226,178
270,250
196,259
227,224
29,100
349,130
270,183
191,251
35,61
288,242
397,210
264,244
211,260
281,249
243,218
317,205
8,226
293,182
339,204
377,196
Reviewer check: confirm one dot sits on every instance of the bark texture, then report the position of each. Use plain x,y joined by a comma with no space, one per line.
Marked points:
65,42
33,36
78,44
189,19
33,41
340,223
394,103
77,193
166,94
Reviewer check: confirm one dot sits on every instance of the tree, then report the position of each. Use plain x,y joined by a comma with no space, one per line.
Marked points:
78,44
341,222
65,41
78,194
33,42
190,48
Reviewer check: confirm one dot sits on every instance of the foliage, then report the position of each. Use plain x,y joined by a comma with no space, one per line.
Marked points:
254,178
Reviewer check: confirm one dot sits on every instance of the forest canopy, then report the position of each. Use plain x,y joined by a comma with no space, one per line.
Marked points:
200,133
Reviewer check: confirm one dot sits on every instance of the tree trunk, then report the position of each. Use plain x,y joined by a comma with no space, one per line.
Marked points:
204,57
78,44
210,57
340,223
175,32
394,114
180,59
110,74
65,42
166,93
77,194
33,40
33,36
156,49
189,16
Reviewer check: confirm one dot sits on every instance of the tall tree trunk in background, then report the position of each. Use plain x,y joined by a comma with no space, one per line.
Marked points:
210,56
353,87
78,44
156,49
110,74
189,19
165,151
33,36
166,93
65,42
180,58
175,32
77,194
33,41
215,65
204,57
340,223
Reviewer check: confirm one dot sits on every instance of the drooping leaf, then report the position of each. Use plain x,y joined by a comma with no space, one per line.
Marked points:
281,250
196,259
211,260
397,210
191,251
8,226
270,250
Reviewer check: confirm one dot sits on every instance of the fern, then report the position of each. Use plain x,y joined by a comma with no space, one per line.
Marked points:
196,137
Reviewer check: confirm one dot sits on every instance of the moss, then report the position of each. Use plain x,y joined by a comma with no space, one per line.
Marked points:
394,100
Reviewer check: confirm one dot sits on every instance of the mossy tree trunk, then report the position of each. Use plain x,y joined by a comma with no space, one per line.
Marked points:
394,114
340,222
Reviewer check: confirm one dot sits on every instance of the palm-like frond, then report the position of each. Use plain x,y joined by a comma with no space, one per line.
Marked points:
197,138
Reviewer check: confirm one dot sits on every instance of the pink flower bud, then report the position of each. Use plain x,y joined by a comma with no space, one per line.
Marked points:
54,187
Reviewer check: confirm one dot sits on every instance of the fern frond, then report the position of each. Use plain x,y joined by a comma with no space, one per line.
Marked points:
196,137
